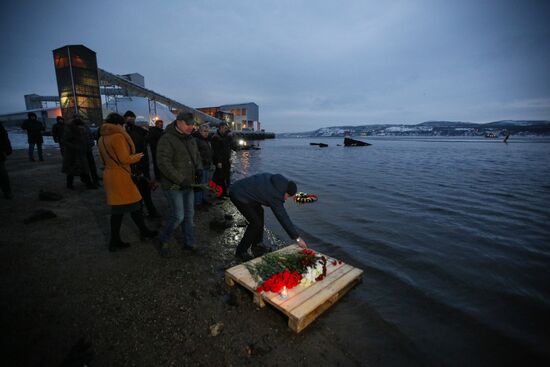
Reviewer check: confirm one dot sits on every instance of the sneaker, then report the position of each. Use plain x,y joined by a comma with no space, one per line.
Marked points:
243,256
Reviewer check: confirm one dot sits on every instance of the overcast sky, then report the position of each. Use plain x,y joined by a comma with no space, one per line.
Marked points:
307,64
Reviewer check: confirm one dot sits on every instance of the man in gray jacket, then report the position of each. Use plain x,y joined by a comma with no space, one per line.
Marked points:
179,163
250,194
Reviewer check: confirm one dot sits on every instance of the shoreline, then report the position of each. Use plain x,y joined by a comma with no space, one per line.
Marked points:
61,285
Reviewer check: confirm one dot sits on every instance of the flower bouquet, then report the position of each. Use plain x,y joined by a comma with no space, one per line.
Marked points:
278,271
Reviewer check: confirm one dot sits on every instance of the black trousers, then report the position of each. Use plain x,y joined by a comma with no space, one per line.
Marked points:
4,179
116,223
254,233
145,191
222,176
92,166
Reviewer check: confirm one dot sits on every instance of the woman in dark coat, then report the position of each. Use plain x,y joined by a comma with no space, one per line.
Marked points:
75,161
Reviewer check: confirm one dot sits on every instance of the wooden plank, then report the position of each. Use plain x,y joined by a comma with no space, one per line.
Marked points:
299,294
297,325
325,294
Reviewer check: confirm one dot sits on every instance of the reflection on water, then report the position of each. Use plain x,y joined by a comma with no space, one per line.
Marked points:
453,235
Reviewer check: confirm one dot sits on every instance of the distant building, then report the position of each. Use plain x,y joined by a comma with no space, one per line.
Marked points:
242,116
45,115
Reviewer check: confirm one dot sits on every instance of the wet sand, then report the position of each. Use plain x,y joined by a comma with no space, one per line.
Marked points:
59,285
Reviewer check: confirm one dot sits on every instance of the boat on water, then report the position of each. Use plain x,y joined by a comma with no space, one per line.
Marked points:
349,142
320,145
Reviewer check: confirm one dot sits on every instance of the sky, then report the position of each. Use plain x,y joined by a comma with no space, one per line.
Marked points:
307,64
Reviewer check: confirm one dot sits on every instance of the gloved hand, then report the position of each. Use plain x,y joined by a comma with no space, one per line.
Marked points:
185,184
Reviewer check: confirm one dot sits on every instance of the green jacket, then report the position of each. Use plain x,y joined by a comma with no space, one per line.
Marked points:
178,158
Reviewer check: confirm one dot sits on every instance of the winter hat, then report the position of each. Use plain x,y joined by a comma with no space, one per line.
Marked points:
291,188
129,114
141,122
187,117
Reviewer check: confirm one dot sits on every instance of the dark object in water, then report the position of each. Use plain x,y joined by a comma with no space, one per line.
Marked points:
349,142
321,145
38,215
49,196
506,138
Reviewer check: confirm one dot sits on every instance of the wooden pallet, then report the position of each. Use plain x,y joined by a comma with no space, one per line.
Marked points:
302,305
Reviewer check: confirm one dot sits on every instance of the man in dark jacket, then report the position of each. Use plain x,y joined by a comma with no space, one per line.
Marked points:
5,150
250,194
34,130
155,133
57,133
75,162
141,170
179,162
221,146
205,150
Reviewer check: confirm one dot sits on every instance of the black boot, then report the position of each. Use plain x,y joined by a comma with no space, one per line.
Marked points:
70,179
144,232
116,243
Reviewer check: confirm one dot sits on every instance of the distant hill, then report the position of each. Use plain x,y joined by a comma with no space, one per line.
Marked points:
445,128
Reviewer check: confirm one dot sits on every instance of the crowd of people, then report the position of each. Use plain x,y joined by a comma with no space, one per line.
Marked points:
184,158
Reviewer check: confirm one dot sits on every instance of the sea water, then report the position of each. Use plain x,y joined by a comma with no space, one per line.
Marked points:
453,235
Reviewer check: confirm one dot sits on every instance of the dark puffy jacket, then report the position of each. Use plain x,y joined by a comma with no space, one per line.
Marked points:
154,136
34,130
75,162
57,131
205,150
178,158
268,190
221,147
140,137
5,145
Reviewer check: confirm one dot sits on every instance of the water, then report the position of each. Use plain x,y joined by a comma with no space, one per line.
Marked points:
453,235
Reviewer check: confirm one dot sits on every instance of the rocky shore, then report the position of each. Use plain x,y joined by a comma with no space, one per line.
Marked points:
67,301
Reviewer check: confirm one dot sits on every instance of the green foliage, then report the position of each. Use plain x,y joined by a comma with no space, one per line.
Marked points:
274,263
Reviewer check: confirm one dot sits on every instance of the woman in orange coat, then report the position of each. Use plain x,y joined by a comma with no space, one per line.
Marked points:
118,153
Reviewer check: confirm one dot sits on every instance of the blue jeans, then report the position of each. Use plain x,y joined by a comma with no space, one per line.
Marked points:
31,151
201,195
181,212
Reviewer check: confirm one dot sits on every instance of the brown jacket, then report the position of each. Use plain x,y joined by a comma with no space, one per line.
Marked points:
117,152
